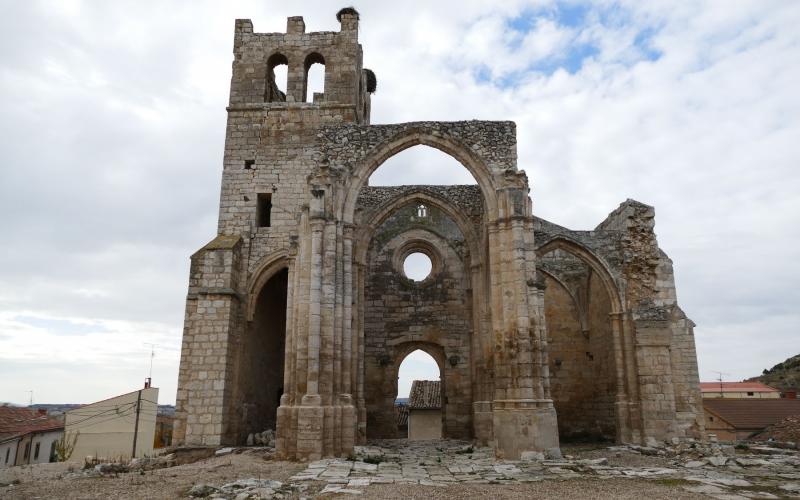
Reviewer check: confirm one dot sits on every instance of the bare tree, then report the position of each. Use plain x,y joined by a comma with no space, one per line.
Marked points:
66,445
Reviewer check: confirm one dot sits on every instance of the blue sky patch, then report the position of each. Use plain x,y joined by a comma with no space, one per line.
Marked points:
577,17
644,42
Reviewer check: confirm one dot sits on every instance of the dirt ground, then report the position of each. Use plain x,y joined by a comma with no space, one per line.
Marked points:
44,480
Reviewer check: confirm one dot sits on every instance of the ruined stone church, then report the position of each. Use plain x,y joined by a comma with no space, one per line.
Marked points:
299,311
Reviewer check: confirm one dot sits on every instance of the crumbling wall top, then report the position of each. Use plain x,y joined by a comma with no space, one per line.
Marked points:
495,142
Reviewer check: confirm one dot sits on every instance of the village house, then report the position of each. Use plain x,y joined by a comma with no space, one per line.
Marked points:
116,428
738,390
738,419
27,436
425,410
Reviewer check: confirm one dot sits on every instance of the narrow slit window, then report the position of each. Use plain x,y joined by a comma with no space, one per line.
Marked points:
264,210
36,451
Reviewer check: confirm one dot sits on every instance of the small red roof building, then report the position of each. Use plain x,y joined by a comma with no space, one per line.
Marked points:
712,387
18,421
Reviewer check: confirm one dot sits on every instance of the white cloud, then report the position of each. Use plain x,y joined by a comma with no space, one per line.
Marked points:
113,127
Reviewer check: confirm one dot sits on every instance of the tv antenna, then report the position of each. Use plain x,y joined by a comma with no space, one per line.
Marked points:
719,379
152,355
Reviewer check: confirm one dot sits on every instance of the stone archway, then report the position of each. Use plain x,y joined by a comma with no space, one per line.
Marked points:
381,421
261,360
426,135
583,300
510,406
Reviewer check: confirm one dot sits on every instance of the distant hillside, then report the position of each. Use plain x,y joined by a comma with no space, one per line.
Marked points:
782,376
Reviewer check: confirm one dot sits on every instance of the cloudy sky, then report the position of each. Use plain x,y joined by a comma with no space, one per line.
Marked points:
112,127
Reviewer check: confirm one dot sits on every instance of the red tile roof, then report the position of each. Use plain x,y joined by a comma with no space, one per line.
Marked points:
18,421
752,414
736,387
425,395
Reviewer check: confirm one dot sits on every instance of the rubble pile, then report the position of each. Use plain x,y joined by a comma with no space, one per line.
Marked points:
785,431
265,438
747,470
245,489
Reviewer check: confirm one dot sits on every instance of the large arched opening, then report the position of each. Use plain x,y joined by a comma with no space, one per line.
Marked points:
441,225
461,153
584,350
421,165
262,355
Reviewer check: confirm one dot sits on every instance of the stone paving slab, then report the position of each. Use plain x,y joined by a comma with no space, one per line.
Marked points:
443,463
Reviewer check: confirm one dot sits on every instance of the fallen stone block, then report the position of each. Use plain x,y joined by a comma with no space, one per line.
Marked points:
532,456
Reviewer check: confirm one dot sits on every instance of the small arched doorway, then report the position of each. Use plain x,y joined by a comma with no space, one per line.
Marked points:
419,397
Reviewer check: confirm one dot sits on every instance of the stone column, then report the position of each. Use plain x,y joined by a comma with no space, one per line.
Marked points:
481,352
310,414
523,420
358,351
621,398
321,419
656,390
346,400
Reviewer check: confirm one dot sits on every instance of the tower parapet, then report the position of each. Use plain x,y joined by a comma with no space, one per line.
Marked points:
256,55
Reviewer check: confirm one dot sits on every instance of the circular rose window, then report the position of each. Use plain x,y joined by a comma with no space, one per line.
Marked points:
417,266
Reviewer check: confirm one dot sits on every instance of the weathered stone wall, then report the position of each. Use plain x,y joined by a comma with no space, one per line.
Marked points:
204,410
582,381
271,148
401,313
629,364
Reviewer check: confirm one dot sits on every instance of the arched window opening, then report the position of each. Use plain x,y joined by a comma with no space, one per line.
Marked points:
417,266
419,397
421,165
422,211
277,78
315,78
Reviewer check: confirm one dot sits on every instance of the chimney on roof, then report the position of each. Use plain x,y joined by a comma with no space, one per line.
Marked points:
147,382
